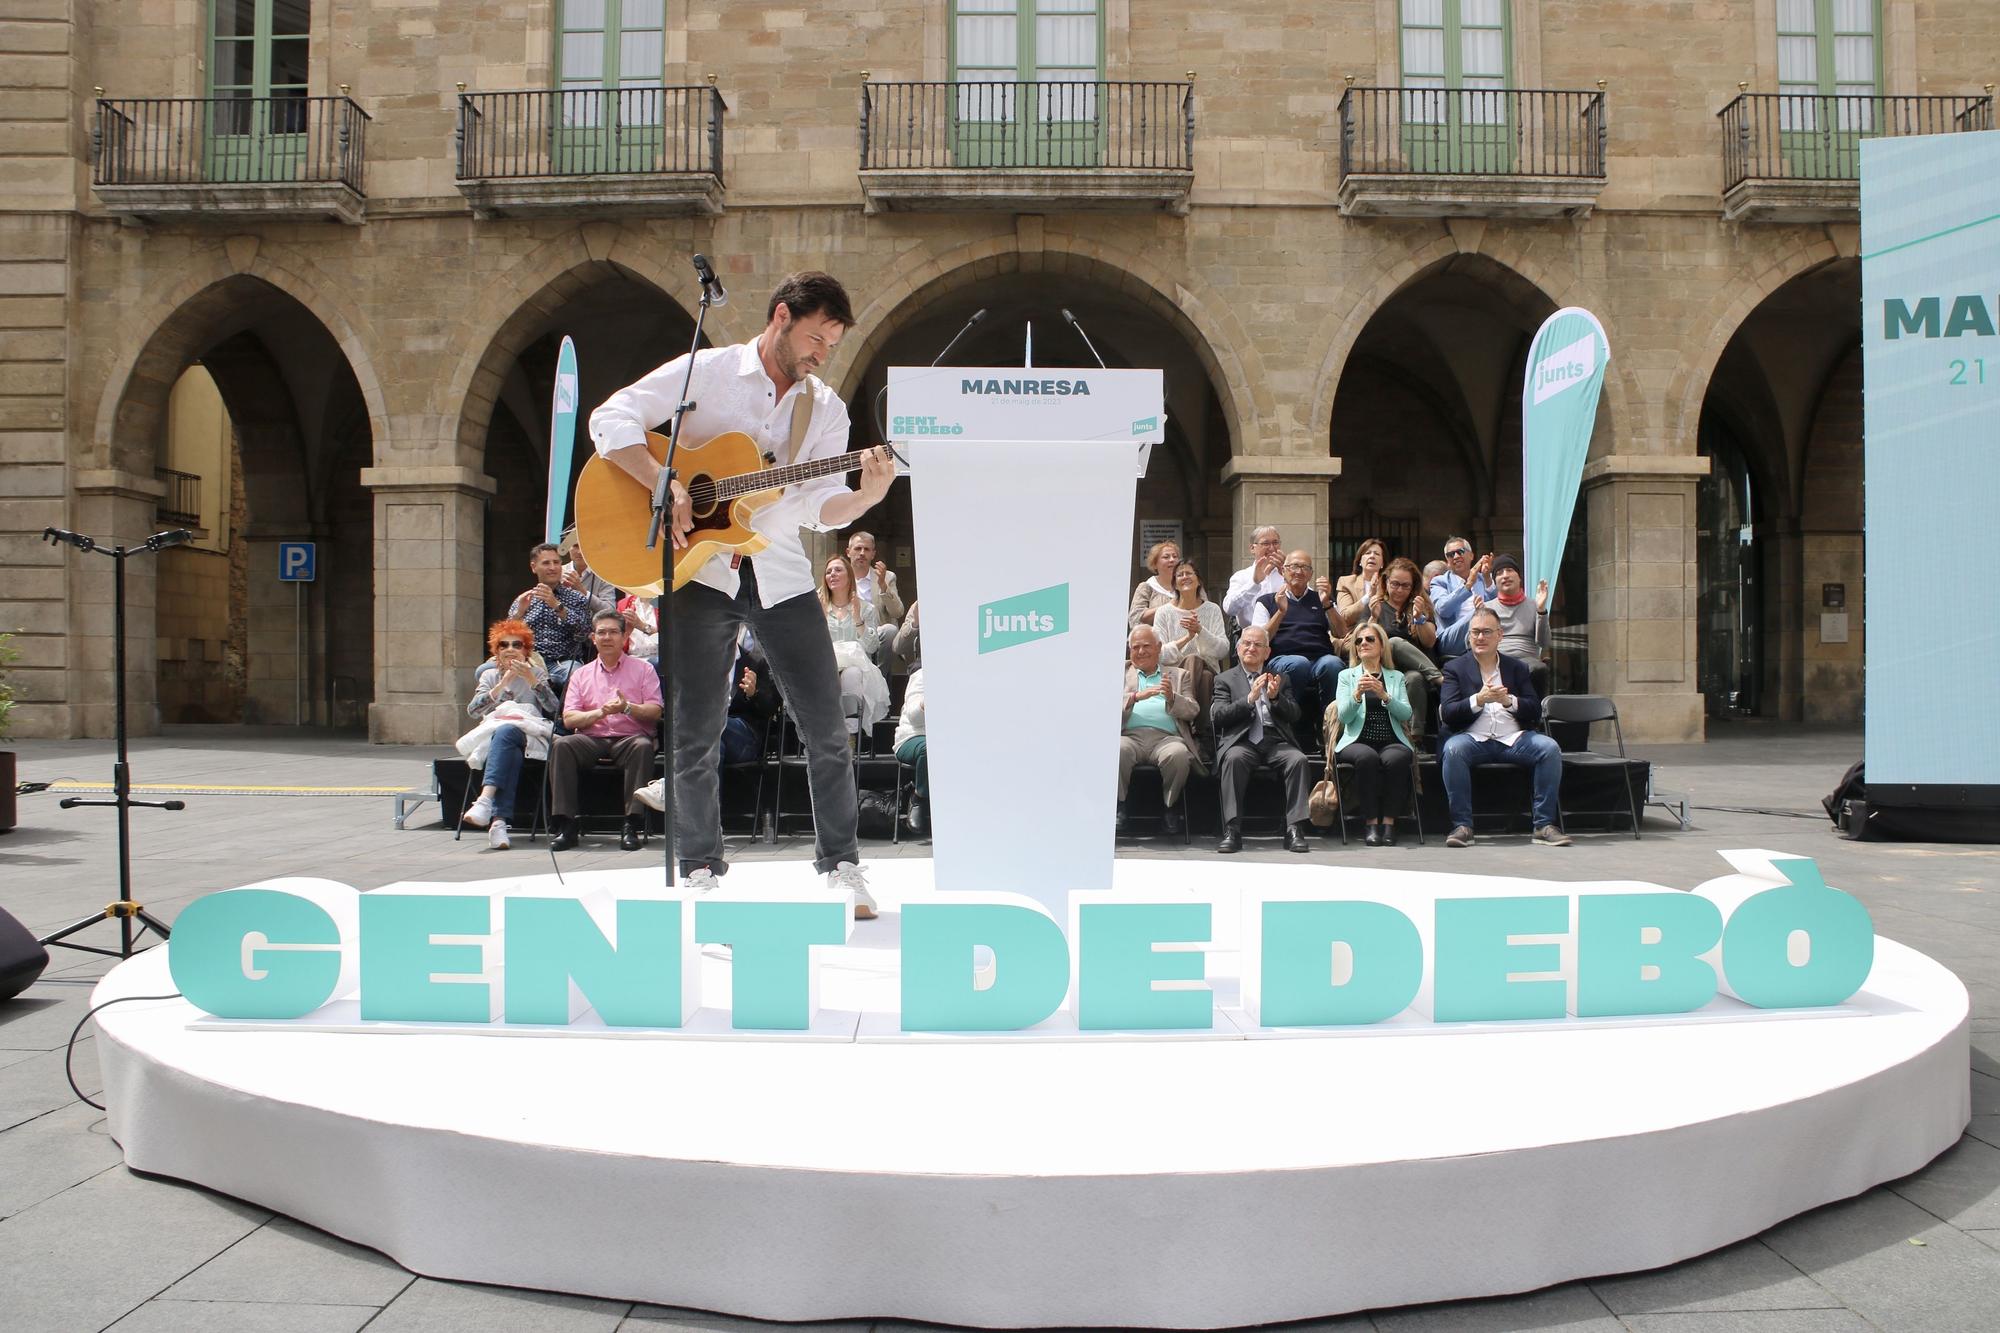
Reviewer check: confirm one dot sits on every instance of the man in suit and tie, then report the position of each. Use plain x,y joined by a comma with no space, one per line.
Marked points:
1254,713
1489,706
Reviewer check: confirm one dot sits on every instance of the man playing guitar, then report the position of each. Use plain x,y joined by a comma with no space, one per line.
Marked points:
753,387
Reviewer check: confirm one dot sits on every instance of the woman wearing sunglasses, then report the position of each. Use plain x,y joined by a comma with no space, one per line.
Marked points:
513,703
1369,712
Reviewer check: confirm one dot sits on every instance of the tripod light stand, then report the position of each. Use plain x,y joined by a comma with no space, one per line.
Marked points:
124,911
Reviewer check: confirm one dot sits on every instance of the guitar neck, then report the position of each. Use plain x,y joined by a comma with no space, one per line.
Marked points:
777,478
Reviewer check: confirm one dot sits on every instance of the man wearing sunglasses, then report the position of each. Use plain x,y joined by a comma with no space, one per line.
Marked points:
1464,587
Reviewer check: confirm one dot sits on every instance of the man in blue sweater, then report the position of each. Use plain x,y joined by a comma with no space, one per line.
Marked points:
1302,630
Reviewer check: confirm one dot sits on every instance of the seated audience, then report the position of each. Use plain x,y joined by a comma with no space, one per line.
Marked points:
611,709
1157,591
578,574
857,633
559,615
1194,638
1490,708
1302,631
1355,591
1433,570
912,746
875,584
1154,729
1254,713
1365,727
513,703
909,641
642,623
1262,575
1406,616
1462,588
1524,628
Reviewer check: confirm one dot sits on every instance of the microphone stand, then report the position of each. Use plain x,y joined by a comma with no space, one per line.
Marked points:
882,418
663,604
124,911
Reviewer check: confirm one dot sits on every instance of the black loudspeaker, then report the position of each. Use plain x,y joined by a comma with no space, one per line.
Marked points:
21,957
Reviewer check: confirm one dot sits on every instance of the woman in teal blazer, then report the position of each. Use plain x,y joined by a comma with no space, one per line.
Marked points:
1371,708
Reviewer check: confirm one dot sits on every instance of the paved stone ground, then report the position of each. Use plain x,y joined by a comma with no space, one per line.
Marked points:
87,1244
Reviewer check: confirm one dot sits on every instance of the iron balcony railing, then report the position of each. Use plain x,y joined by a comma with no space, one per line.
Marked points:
975,125
182,502
590,132
1815,136
228,141
1471,132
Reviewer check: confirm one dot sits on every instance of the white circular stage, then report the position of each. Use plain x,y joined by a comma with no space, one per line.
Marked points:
1048,1178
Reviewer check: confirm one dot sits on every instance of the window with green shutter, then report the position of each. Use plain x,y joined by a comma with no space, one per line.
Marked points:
1456,61
610,63
1049,52
257,85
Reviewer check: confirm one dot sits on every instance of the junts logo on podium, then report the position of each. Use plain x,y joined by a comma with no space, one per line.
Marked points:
1012,621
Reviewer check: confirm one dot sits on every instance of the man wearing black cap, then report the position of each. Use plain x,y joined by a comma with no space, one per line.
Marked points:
1524,628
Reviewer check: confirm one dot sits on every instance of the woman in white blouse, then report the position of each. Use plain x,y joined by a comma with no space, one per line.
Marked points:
1192,637
857,631
1157,591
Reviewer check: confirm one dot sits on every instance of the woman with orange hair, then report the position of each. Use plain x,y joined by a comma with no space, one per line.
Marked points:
513,703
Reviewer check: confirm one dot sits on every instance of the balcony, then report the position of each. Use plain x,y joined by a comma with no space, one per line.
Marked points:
230,158
1026,146
591,152
182,501
1796,157
1470,152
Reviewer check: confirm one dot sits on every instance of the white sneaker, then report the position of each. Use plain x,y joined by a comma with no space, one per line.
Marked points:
701,881
653,795
847,878
496,835
480,813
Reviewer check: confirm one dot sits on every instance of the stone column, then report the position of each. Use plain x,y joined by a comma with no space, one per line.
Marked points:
116,507
430,541
1644,589
1284,491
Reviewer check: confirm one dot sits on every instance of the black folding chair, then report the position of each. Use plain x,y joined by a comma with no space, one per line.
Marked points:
1561,713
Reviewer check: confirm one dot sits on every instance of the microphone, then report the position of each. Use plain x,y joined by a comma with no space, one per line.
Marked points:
1086,338
711,287
977,315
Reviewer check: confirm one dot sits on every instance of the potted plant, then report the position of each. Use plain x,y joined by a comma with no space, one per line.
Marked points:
8,654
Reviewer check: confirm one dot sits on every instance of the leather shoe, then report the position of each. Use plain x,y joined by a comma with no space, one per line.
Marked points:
1172,820
630,836
1295,839
1232,841
1374,838
1388,835
567,836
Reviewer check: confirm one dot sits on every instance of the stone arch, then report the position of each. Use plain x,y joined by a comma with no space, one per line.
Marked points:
1506,265
1737,301
1215,337
533,289
180,315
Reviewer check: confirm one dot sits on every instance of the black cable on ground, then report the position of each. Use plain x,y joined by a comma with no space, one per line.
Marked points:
1758,810
76,1031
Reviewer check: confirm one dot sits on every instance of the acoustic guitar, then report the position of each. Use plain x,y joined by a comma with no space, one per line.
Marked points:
727,485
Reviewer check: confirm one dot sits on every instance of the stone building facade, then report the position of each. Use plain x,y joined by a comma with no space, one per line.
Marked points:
1341,304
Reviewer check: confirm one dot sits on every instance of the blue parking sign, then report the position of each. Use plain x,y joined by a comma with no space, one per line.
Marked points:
296,561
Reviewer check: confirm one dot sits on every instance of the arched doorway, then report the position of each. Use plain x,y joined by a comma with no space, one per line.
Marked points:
623,327
1427,425
1131,327
1781,528
245,407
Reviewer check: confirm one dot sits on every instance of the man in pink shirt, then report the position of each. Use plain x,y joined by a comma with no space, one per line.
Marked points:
611,709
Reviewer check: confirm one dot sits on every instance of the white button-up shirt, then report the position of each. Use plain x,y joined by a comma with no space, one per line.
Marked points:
731,391
1494,721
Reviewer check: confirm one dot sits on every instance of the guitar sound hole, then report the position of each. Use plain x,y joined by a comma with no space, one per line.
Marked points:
701,496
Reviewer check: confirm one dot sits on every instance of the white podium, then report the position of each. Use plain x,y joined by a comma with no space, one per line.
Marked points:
1022,489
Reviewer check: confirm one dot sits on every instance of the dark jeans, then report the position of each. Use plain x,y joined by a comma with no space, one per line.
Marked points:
503,768
570,755
1309,678
1244,757
1530,749
1381,778
793,638
739,741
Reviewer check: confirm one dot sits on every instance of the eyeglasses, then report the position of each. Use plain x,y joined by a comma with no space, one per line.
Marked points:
1399,583
1459,553
1294,569
1370,639
1481,631
512,643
